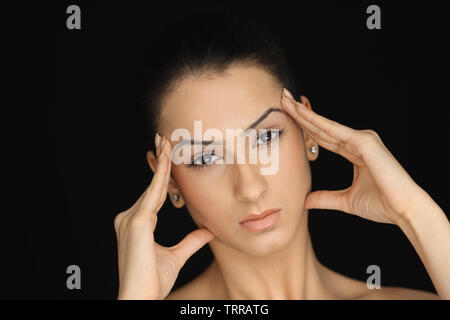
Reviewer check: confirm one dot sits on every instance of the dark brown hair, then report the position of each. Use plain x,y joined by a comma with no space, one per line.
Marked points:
207,41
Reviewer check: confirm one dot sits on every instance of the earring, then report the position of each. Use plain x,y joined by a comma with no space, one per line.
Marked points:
175,197
313,149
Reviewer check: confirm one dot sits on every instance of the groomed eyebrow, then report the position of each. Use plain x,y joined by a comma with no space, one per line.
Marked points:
252,126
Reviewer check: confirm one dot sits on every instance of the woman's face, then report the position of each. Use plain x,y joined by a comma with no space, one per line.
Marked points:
219,196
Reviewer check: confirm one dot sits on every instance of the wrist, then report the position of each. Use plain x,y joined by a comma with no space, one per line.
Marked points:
428,229
421,209
425,223
413,218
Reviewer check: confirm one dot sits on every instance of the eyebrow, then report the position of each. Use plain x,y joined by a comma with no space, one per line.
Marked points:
252,126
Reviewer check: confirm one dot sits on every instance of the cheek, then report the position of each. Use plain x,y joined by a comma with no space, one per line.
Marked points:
295,173
201,194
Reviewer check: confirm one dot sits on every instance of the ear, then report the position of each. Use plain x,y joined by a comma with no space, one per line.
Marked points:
305,101
172,188
151,160
309,140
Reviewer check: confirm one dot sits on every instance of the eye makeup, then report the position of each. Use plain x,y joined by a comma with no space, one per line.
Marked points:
252,126
266,138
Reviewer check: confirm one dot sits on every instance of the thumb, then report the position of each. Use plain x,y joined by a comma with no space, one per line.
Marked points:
191,244
326,199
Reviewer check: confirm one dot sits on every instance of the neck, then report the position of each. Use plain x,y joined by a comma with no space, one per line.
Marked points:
291,273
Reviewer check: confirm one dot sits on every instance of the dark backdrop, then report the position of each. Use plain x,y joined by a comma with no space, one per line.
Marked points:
76,141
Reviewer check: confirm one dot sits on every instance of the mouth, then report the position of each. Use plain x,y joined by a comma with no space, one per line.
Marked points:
261,221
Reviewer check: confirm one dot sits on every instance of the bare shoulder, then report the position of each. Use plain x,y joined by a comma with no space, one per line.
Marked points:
348,288
399,293
207,286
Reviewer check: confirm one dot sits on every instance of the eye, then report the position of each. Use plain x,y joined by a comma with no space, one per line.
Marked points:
208,158
269,135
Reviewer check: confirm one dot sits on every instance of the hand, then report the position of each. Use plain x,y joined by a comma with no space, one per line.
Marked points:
381,191
148,270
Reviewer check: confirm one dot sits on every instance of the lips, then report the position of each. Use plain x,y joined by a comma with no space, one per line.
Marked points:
260,222
254,216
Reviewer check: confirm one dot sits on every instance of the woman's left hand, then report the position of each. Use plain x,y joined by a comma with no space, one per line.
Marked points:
381,191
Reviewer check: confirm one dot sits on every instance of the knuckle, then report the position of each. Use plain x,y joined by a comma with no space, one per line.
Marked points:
367,137
373,133
370,134
135,222
363,140
118,220
138,222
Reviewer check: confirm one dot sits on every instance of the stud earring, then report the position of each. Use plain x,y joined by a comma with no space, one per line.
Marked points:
313,149
176,198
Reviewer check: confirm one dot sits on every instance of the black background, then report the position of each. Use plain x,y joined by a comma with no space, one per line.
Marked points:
77,144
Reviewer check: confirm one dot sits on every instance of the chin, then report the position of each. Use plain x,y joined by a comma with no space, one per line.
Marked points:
267,242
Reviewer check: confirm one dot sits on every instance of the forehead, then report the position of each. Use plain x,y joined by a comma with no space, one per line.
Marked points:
226,101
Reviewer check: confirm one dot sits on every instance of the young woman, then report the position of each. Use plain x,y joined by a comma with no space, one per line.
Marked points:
230,74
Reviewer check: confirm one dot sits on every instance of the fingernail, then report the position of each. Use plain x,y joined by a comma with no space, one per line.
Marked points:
157,142
288,104
288,95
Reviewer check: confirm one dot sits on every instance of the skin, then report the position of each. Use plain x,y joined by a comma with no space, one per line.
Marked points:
247,264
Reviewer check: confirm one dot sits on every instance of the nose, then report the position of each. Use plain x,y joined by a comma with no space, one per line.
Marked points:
250,185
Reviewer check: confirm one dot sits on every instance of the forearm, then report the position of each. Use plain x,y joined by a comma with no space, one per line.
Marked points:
428,230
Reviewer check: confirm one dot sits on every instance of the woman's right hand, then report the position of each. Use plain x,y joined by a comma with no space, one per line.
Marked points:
148,270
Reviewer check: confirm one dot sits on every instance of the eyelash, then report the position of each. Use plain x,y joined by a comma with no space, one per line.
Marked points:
192,165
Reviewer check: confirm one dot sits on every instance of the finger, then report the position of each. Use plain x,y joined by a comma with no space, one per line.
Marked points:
137,204
158,142
330,127
326,199
191,244
151,201
334,147
312,129
323,138
298,112
168,151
